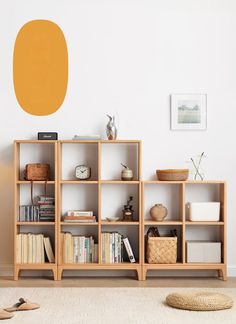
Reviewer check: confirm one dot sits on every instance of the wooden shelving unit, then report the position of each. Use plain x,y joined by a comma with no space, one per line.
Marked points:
99,181
37,147
106,180
183,224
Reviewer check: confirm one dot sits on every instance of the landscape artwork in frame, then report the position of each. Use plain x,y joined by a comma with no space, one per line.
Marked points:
188,111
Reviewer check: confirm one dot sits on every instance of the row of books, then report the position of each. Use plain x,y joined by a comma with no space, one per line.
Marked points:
113,247
32,248
79,216
43,211
78,249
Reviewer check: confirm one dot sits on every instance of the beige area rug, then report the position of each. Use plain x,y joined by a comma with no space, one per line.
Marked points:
109,305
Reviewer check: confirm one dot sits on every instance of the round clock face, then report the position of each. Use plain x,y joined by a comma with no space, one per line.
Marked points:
83,172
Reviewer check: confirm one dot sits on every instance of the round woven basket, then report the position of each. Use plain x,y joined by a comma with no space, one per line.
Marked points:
199,301
172,174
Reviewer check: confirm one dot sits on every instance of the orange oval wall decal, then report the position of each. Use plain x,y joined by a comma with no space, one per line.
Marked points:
40,67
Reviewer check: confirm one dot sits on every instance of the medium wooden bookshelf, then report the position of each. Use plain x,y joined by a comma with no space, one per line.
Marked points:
100,182
63,156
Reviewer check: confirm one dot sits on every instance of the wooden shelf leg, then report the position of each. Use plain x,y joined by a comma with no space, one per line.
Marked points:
222,273
54,271
59,274
16,273
144,273
139,273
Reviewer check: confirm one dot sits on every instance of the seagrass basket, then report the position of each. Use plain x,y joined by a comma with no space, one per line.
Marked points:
162,250
172,174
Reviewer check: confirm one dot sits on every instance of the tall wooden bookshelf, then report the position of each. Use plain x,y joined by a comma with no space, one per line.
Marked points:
34,152
105,193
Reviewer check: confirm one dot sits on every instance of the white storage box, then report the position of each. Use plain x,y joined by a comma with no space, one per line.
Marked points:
203,211
203,252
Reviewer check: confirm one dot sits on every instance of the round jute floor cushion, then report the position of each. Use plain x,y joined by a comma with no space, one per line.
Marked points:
199,301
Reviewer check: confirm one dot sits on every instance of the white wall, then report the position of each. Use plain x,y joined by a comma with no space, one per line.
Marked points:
127,56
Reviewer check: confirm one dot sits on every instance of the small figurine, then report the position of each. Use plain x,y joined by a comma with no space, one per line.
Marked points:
126,173
128,211
111,128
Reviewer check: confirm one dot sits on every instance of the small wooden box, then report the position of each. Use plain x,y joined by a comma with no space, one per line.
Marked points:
203,252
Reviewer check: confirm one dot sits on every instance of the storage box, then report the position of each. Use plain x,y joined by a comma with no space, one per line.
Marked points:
203,252
203,211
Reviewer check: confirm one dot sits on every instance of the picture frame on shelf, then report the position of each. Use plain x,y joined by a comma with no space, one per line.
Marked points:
188,111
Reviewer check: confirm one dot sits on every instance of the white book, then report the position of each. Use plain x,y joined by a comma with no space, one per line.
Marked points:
18,248
48,249
81,249
129,250
95,253
116,248
30,248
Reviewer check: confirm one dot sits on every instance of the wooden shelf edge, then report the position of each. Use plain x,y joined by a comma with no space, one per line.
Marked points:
38,266
35,223
147,223
78,224
203,223
35,182
78,182
186,182
119,223
108,266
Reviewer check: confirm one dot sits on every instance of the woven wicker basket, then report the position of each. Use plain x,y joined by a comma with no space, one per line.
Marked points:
172,174
162,249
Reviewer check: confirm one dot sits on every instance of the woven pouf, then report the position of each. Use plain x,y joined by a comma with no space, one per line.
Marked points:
199,301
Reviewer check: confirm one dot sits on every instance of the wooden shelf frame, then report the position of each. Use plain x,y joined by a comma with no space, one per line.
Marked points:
18,225
184,224
141,224
100,224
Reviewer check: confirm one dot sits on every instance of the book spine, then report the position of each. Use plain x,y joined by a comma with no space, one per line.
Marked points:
129,250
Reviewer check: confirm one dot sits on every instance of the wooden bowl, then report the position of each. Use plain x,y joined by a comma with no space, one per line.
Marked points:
172,174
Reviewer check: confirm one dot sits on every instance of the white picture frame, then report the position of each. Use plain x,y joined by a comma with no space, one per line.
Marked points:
188,111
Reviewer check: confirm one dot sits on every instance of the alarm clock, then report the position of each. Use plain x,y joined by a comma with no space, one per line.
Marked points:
82,172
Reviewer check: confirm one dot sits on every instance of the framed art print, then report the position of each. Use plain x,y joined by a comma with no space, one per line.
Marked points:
188,111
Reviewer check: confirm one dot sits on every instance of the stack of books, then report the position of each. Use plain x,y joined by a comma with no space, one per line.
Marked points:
46,208
78,249
80,216
113,246
28,213
31,248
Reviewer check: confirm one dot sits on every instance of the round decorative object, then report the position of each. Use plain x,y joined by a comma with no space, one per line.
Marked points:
158,212
172,174
199,301
127,175
82,172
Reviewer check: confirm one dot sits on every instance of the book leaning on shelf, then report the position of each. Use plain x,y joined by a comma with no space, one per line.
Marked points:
78,249
113,247
31,248
80,216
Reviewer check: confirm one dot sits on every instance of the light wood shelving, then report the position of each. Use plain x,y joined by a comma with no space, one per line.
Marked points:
34,227
184,224
98,183
101,225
